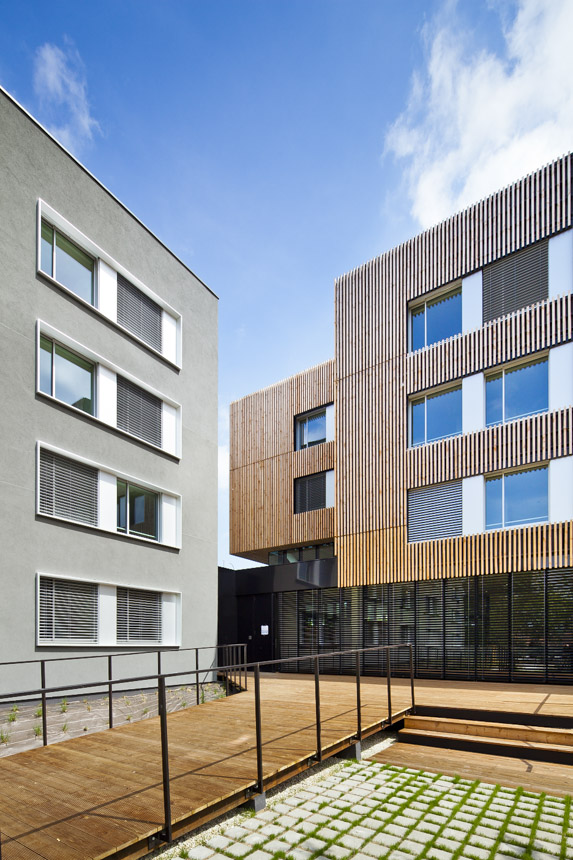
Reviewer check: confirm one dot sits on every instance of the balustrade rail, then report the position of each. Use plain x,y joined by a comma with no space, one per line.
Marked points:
235,675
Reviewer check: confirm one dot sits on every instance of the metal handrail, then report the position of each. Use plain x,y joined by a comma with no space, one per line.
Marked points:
238,669
169,649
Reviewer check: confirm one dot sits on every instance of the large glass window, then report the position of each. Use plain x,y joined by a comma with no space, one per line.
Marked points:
67,376
136,510
516,392
436,320
67,263
517,498
311,429
436,416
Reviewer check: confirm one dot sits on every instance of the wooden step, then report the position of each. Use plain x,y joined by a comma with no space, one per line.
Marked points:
513,772
558,753
482,728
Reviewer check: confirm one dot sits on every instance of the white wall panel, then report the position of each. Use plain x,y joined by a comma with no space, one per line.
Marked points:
106,395
561,376
107,290
561,264
473,505
170,520
473,403
472,302
170,337
170,429
330,488
170,619
107,621
330,423
107,516
561,489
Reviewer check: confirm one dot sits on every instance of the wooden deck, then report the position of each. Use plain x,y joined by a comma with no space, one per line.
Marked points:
101,795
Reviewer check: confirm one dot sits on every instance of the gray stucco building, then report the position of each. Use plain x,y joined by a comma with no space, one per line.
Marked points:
108,463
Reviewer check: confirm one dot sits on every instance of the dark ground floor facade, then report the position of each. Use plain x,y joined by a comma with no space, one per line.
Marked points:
507,627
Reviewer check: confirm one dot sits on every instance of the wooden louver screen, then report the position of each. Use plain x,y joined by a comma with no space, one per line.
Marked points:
516,281
68,610
138,412
138,313
310,493
435,512
68,489
138,615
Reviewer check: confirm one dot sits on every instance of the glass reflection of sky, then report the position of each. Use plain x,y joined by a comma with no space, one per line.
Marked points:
526,390
444,318
444,414
74,380
516,499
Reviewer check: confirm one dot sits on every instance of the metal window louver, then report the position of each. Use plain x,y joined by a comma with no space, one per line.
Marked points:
515,281
138,313
68,489
285,604
138,615
459,627
138,412
310,493
493,605
528,625
68,610
435,512
429,629
559,625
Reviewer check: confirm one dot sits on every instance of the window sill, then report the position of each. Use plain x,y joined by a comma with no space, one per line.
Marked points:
113,322
118,534
82,643
101,423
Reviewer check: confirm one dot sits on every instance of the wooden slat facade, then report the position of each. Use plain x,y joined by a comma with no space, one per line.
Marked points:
264,464
373,377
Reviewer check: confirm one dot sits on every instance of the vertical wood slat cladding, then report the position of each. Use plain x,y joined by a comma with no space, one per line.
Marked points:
504,446
263,464
529,330
375,374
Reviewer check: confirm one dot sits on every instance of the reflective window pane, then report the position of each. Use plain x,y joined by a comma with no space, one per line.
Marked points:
291,555
142,512
418,323
121,506
525,497
74,379
444,414
308,553
418,422
316,428
493,503
46,365
74,268
444,317
275,557
326,550
526,390
46,247
494,399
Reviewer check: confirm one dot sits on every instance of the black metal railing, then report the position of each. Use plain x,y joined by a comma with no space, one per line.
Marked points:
234,676
238,672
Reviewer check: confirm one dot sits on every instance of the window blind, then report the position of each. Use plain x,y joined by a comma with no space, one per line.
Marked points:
138,411
516,281
310,493
435,512
68,489
429,628
138,615
138,313
68,610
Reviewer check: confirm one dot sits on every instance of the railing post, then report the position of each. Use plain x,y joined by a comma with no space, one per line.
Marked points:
166,833
110,691
389,685
198,698
226,662
412,677
317,706
358,703
44,703
159,662
258,730
245,665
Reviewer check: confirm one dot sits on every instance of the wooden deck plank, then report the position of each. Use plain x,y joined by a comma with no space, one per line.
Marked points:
108,785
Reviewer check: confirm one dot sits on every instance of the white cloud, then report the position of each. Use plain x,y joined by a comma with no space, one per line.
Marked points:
60,84
476,120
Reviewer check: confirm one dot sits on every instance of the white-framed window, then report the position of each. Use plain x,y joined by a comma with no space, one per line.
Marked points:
435,318
78,377
517,391
517,498
80,491
314,427
75,263
436,416
79,612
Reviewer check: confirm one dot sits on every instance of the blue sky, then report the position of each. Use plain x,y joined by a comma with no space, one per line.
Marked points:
275,144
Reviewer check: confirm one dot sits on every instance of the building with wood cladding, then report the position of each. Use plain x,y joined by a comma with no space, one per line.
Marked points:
419,486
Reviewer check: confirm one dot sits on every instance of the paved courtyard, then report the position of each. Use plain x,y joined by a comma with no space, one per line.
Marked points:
361,811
